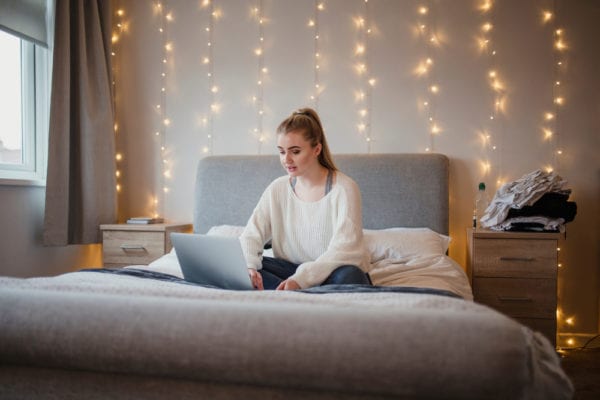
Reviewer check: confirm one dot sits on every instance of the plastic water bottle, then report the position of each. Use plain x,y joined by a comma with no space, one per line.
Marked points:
481,203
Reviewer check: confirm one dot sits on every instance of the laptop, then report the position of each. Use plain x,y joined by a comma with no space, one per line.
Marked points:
212,260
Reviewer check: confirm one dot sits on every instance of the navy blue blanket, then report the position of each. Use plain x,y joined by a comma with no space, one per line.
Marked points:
325,289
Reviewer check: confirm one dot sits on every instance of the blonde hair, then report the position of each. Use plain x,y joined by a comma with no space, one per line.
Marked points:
307,121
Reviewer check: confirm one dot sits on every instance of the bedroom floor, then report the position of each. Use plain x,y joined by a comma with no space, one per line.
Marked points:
583,367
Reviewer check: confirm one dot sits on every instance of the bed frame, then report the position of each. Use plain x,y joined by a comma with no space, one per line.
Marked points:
407,190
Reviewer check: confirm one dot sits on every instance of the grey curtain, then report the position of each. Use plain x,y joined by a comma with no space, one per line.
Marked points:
80,186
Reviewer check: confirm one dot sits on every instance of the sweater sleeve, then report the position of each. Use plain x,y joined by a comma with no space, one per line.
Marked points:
346,246
257,231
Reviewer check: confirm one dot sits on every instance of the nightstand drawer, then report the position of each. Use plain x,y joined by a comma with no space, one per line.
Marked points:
515,258
519,298
137,244
130,248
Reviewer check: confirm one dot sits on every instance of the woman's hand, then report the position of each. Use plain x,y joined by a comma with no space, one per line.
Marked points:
288,284
256,279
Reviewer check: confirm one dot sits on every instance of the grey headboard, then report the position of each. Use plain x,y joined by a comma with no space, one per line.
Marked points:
398,190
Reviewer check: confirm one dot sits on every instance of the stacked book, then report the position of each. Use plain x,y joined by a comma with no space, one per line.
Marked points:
145,220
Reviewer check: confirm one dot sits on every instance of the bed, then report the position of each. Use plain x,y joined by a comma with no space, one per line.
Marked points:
143,332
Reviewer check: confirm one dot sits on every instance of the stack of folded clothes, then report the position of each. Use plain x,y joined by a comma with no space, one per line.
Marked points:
538,201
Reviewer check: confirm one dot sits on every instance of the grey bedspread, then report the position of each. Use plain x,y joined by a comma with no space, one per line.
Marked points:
273,344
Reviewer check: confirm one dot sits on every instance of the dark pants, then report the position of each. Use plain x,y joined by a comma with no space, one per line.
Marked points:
275,270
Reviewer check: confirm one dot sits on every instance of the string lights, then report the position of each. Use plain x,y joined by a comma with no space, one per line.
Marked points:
258,98
427,103
366,82
550,122
213,89
551,132
313,23
118,30
492,133
164,18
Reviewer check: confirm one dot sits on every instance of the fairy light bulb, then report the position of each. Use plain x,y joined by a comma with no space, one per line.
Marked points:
485,6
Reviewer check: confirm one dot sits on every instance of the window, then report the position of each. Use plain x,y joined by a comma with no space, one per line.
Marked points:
24,106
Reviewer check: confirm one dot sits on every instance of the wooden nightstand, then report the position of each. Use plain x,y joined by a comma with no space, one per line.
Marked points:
516,273
132,244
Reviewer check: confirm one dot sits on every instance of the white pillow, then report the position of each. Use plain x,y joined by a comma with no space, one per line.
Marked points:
399,243
382,244
226,230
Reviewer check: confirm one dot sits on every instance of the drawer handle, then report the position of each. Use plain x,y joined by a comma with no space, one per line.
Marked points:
515,299
525,259
133,247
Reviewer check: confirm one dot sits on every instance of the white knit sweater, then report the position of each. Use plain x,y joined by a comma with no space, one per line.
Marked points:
320,235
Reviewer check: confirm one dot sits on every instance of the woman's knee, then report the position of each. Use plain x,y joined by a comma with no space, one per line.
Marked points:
347,274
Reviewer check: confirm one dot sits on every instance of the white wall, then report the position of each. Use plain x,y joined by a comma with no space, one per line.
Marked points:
525,59
22,253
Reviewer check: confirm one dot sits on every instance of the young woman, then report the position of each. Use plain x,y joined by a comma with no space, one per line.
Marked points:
312,216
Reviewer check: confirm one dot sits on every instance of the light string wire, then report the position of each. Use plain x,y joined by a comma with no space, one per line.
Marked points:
213,107
258,98
427,31
552,133
492,133
118,30
314,23
366,82
164,17
551,125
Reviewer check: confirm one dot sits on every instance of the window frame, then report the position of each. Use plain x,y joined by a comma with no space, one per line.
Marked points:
35,92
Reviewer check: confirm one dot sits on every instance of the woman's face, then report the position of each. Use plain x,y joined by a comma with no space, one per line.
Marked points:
296,154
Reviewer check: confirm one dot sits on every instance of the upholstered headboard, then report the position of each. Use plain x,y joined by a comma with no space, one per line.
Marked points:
398,190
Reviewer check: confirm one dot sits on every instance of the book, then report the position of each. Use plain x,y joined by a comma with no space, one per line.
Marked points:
145,220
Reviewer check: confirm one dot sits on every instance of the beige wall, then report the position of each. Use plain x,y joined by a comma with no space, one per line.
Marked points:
525,59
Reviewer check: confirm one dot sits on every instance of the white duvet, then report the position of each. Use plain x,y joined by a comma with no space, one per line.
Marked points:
423,271
414,257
